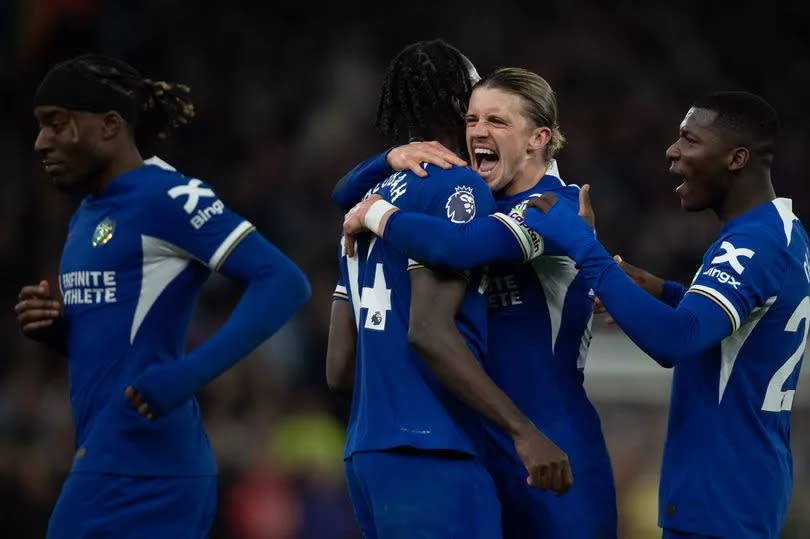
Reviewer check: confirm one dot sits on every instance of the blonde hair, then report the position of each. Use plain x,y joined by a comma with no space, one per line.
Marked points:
539,98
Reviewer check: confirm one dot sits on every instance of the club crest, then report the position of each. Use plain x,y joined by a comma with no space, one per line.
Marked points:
103,232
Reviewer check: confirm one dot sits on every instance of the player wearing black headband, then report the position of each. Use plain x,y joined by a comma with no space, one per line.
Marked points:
91,105
138,249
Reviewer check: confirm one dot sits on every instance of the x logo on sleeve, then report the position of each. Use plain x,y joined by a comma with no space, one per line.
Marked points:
193,191
732,255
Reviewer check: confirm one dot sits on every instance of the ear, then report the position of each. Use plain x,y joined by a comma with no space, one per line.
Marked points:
111,125
539,138
738,158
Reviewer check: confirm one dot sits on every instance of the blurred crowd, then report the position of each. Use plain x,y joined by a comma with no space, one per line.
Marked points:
286,97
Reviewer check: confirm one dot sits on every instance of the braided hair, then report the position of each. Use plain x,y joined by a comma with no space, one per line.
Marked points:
98,83
425,91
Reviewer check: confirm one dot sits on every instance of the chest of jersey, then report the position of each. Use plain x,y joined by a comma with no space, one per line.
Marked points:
101,258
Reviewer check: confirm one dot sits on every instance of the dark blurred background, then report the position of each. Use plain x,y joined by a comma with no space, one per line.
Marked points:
286,97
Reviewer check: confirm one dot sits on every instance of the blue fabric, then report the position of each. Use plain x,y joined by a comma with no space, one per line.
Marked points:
441,243
586,511
134,261
359,180
399,496
276,289
673,293
675,534
98,505
694,326
398,401
541,372
737,339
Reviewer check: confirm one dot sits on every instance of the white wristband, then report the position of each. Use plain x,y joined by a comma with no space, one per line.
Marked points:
375,214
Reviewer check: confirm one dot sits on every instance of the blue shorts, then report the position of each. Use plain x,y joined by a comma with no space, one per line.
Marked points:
586,511
99,505
675,534
405,496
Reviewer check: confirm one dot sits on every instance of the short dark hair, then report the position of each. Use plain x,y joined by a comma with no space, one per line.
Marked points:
98,83
420,86
749,118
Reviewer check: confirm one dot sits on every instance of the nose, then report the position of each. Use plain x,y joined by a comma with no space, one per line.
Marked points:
42,145
673,152
476,130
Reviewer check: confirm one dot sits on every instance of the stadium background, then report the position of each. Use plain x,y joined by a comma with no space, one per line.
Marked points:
286,97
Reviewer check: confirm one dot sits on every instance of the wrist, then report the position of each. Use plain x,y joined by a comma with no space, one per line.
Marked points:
519,426
377,216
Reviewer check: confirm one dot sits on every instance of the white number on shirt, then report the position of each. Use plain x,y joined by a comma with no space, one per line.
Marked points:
376,299
777,400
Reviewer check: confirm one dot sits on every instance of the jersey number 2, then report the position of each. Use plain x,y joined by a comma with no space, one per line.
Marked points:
777,400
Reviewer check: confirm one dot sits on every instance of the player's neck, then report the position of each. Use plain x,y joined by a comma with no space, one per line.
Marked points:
532,173
123,162
747,193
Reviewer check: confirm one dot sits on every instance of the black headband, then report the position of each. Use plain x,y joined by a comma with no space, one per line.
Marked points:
68,87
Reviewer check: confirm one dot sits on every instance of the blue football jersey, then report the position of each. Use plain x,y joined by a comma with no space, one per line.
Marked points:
540,315
397,401
727,468
135,258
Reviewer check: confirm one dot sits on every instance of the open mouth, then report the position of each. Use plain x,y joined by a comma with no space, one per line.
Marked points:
485,161
682,185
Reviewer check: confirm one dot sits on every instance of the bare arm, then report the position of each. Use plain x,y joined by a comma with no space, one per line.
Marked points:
435,300
340,351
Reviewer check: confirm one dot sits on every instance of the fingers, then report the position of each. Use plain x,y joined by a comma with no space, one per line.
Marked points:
35,314
411,156
598,306
35,305
349,244
41,290
138,402
585,208
567,479
36,326
632,271
543,203
416,168
554,476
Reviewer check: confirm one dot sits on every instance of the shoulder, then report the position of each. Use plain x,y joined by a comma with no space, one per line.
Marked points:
752,244
569,193
160,182
769,227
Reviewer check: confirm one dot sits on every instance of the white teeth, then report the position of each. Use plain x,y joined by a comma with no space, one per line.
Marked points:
484,151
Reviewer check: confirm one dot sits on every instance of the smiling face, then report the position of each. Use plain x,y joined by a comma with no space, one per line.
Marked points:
67,145
499,135
701,158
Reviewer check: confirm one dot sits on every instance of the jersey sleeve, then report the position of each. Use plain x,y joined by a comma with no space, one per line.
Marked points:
535,244
449,230
356,183
741,271
341,292
438,242
187,214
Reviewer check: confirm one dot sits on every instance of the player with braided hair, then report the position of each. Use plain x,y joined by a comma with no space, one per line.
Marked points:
540,306
139,247
409,340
